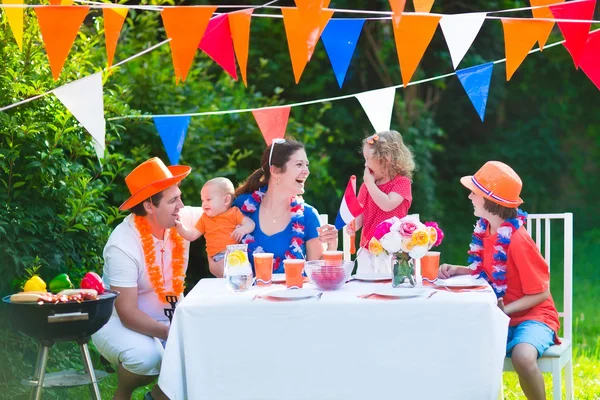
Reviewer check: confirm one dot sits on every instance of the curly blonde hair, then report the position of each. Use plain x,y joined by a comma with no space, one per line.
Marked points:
395,156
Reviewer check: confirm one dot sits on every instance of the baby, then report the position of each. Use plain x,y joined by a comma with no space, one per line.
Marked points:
221,224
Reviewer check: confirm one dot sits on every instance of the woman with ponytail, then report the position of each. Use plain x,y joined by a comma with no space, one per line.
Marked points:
271,197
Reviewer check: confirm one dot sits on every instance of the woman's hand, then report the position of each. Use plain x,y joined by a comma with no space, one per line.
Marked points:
328,234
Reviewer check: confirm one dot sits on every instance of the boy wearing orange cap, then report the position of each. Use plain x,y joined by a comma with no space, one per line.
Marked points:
145,260
505,255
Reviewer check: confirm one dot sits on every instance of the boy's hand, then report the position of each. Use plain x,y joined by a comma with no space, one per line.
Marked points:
238,233
446,271
501,304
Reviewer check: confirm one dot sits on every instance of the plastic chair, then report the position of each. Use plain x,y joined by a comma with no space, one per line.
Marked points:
556,357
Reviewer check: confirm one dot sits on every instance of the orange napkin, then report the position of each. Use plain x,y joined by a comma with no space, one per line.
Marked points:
462,289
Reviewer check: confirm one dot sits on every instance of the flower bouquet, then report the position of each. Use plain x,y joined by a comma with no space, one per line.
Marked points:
398,241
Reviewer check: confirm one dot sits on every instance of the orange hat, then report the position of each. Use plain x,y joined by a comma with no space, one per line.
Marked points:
151,177
496,182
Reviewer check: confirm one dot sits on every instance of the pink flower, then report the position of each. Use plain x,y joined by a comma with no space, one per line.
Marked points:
440,233
382,229
407,228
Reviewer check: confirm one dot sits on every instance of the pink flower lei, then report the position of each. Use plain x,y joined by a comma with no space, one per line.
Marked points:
252,203
498,278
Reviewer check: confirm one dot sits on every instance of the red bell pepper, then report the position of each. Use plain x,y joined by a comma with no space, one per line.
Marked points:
92,280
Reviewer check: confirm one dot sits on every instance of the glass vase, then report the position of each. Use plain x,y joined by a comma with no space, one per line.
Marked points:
403,272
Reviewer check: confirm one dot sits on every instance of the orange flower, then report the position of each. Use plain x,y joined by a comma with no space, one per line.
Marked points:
420,237
375,247
154,271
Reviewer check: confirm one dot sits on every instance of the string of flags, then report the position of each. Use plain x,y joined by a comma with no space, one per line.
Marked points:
225,38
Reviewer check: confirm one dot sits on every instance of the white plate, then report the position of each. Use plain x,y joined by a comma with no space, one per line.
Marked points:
294,294
278,278
400,292
460,281
372,277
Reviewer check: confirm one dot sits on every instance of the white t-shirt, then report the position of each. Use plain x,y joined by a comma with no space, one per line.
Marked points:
125,266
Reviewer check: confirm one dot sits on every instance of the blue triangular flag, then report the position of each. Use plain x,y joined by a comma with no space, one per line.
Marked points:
172,131
476,81
340,37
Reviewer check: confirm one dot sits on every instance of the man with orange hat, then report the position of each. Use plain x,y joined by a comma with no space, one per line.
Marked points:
504,254
145,260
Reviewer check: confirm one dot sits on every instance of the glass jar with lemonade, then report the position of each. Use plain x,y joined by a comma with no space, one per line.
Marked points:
238,271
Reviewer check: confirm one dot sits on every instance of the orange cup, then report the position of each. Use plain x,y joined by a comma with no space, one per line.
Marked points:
293,272
263,266
430,264
333,257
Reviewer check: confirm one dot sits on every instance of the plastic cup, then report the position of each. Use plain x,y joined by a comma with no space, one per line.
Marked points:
429,265
293,273
263,266
333,257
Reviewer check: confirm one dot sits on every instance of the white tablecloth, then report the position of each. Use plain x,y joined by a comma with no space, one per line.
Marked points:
230,346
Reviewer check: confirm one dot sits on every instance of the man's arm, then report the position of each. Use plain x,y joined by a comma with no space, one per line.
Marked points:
135,319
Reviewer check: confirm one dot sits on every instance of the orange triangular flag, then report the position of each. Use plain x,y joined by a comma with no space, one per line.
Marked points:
413,34
303,28
15,20
519,37
113,22
397,10
62,2
544,12
59,26
185,27
239,23
423,5
304,4
272,122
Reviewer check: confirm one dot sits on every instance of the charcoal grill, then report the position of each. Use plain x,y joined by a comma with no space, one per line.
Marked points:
62,322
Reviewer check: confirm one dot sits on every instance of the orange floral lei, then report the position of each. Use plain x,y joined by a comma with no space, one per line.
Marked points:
154,271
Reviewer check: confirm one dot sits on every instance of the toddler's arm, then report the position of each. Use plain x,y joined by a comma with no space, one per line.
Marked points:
247,226
386,202
186,233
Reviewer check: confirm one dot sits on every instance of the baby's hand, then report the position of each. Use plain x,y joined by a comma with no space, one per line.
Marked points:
368,177
177,221
350,230
238,233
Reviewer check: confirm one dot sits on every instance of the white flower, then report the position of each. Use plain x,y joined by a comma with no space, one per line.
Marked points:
391,242
418,251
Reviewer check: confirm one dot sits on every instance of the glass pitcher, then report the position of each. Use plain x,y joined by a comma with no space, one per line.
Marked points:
237,271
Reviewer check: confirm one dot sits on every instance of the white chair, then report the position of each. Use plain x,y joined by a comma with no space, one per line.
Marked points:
556,357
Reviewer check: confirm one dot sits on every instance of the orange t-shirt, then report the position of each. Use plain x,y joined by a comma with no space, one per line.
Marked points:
217,230
527,273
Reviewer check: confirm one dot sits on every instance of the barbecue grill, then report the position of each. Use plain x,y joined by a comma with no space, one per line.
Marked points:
62,322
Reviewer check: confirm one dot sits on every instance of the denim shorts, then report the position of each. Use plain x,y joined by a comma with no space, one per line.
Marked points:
537,334
219,256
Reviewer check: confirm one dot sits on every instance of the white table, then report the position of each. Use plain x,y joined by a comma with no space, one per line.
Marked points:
231,346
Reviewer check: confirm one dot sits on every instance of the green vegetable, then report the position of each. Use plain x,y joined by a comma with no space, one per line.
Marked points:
60,282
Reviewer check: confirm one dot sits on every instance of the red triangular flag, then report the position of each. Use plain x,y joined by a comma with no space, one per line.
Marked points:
272,122
575,33
588,60
217,43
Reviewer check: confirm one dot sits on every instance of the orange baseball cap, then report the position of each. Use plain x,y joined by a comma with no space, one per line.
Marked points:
151,177
496,182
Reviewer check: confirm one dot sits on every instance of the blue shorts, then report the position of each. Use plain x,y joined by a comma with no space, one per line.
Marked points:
537,334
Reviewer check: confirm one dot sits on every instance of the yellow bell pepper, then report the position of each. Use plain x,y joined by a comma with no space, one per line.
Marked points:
35,284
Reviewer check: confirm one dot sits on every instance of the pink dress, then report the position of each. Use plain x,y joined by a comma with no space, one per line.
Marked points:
373,215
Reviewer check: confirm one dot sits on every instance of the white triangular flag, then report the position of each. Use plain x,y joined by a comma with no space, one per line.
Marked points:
84,99
378,105
460,31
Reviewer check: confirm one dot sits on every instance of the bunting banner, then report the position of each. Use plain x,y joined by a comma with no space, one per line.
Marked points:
589,59
15,20
460,30
520,35
413,33
307,4
303,27
185,26
113,22
172,130
476,82
575,33
239,23
544,12
423,5
378,105
84,99
272,122
339,38
59,26
217,44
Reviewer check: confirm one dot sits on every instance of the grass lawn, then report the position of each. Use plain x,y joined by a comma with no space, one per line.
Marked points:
586,329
